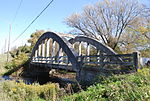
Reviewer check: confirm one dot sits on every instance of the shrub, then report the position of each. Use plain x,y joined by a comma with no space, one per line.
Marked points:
34,92
129,87
17,61
9,66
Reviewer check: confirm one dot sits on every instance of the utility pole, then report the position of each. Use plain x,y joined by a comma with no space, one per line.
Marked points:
8,43
5,46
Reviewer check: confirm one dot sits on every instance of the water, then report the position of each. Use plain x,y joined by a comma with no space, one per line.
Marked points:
17,79
40,80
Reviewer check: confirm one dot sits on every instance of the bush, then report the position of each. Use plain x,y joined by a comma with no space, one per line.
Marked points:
9,66
34,92
17,61
129,87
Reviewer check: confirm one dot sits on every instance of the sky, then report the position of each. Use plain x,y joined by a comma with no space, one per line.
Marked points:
51,19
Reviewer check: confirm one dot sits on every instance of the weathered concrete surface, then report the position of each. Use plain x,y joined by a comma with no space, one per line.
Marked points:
88,75
64,44
96,43
99,46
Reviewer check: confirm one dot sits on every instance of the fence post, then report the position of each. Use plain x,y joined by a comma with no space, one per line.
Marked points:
136,60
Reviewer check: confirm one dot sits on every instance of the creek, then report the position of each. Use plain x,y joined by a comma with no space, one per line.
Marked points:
40,80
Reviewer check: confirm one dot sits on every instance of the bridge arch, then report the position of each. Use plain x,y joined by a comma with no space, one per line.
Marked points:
63,43
99,46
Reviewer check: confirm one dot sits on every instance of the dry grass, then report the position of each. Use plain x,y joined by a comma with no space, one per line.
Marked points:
3,58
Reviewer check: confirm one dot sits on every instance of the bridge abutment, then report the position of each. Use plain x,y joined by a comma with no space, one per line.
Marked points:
87,75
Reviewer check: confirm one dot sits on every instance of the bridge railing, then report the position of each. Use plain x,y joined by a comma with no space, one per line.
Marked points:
54,59
128,60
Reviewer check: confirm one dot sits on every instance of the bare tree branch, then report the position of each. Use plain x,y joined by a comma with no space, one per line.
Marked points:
107,20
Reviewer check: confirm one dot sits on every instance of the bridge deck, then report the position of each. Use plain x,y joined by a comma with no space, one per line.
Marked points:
54,66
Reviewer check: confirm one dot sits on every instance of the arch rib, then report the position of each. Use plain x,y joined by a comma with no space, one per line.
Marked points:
63,43
97,44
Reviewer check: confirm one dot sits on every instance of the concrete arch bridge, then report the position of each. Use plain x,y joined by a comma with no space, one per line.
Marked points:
85,56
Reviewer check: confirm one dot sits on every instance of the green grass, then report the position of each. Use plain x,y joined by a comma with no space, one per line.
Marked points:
129,87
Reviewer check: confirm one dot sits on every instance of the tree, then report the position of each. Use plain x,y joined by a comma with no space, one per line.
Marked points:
137,36
106,21
17,51
34,37
132,41
143,24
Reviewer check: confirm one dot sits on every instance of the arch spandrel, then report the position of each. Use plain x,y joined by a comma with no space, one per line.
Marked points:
100,46
63,43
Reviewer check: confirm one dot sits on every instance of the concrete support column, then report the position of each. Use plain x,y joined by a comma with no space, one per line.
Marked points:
88,49
47,48
53,50
39,52
43,50
58,55
61,54
80,48
50,49
102,58
73,45
36,55
98,58
88,52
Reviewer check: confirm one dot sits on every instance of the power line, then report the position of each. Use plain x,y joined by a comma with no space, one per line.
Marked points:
34,20
16,13
19,6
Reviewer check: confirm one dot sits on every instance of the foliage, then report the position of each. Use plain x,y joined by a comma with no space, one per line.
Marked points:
137,36
20,54
131,87
145,53
9,66
132,41
21,59
22,49
17,61
34,92
34,37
